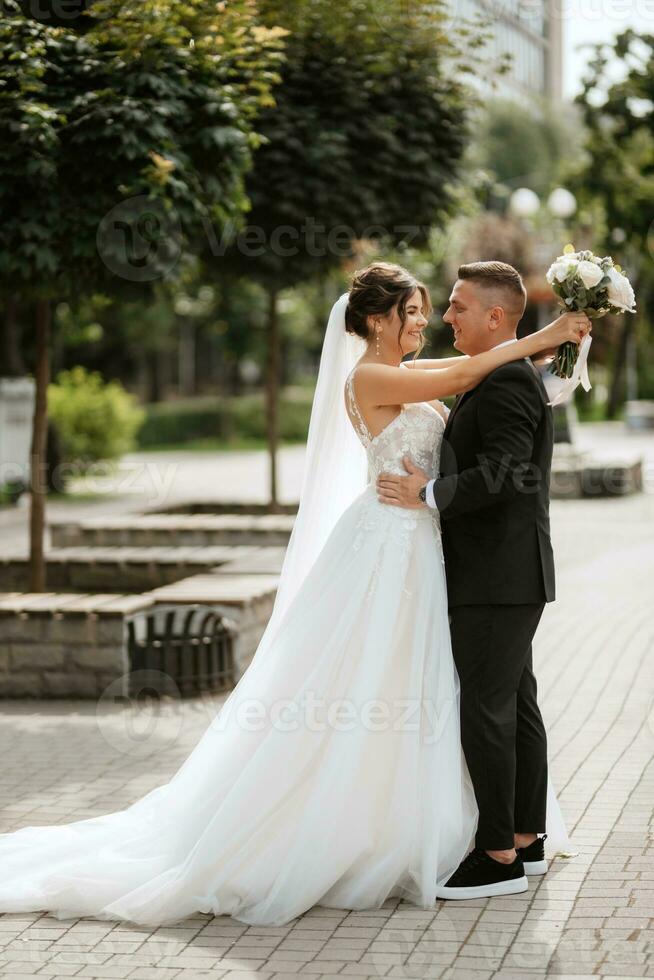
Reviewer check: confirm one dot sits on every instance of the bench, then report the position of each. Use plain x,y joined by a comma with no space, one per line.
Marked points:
55,645
639,414
577,474
253,561
246,599
120,569
225,507
173,530
69,645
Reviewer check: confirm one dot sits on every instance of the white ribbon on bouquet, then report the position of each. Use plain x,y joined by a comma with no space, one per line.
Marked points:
560,390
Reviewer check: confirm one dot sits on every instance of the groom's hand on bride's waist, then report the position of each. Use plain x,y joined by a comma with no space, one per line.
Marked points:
402,491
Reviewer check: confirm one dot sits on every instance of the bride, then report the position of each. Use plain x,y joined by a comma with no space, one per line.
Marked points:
333,774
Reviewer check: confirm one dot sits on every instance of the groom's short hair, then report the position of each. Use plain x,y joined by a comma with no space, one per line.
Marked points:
503,279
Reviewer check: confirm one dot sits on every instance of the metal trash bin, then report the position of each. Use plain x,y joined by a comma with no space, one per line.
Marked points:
184,650
16,413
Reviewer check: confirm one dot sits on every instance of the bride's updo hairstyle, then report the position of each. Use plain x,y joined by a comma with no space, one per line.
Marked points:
376,290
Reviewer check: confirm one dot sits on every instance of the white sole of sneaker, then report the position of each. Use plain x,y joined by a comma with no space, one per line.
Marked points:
484,891
535,867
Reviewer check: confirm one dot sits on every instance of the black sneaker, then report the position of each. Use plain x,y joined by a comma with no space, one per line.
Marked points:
481,876
533,857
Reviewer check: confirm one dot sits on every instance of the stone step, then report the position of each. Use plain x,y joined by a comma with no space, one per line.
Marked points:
247,599
65,645
122,569
174,530
218,589
639,414
56,644
583,474
257,561
67,604
225,507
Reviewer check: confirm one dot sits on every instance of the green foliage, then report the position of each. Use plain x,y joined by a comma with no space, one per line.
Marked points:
241,418
364,140
94,420
619,116
173,422
525,146
618,180
30,126
155,102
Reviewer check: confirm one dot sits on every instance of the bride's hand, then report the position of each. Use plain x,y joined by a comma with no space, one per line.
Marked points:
567,327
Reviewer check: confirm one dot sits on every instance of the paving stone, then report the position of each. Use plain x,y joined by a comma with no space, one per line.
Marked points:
589,916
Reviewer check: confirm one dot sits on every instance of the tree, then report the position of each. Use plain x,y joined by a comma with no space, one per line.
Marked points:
120,141
364,141
525,147
619,116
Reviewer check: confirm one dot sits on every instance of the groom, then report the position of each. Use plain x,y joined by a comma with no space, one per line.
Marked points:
492,495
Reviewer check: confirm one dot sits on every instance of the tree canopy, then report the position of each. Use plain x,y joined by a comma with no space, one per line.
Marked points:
123,139
619,174
619,116
364,139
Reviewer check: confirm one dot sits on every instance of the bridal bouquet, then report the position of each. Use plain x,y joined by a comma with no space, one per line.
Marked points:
591,285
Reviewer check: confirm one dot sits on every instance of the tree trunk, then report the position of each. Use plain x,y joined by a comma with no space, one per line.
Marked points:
631,366
562,432
616,389
38,451
235,381
272,394
12,362
154,376
186,371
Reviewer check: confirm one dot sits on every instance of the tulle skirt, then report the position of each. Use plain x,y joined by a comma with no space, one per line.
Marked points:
333,774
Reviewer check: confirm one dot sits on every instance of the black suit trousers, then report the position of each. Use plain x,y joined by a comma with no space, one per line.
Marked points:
502,731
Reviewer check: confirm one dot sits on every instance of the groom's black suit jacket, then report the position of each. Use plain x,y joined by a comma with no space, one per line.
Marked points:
493,491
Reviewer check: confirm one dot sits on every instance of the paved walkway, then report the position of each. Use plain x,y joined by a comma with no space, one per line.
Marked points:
589,916
156,480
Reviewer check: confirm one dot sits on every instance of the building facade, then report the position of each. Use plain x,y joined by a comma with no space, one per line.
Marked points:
530,33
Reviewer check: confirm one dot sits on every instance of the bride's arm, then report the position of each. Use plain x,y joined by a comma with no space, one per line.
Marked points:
434,364
381,384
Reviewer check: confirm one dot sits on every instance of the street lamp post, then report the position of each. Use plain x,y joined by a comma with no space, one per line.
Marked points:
561,204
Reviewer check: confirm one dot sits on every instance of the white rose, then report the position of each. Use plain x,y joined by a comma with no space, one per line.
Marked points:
559,269
620,291
589,273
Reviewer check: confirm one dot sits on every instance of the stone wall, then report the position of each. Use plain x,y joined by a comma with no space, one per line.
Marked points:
245,599
113,569
64,646
173,531
251,620
46,656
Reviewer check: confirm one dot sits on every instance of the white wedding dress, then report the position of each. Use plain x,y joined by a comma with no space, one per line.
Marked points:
264,821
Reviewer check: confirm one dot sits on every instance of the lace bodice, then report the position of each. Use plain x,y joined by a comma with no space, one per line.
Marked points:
416,432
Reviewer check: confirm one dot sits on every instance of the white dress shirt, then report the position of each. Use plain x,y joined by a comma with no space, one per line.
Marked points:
429,492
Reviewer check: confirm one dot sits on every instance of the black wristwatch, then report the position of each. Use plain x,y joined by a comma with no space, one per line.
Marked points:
422,494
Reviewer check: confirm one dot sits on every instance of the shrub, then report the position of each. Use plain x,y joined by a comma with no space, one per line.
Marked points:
94,420
242,417
170,423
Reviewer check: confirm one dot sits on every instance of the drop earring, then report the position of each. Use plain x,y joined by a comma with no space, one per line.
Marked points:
378,333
